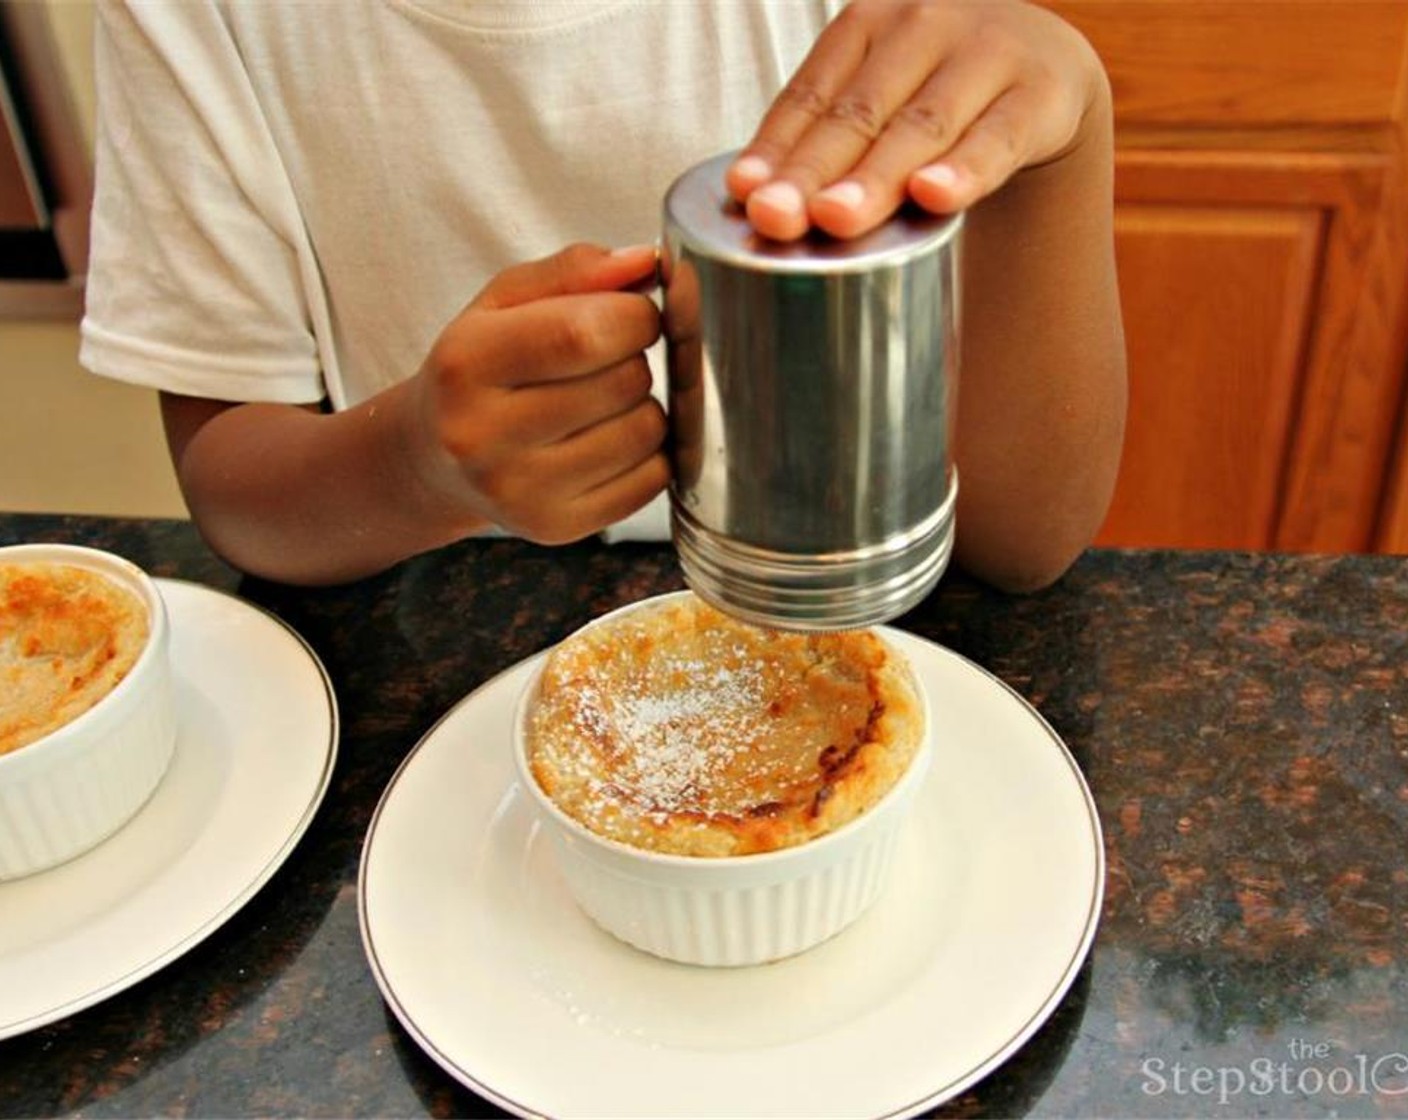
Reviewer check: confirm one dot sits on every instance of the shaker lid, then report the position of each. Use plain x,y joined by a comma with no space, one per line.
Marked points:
700,210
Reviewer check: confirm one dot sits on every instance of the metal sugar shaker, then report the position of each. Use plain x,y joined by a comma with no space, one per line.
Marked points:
812,387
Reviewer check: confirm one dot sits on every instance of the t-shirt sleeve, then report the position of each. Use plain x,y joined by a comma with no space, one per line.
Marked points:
200,270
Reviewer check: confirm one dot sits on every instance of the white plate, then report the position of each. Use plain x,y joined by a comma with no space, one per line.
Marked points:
255,744
493,970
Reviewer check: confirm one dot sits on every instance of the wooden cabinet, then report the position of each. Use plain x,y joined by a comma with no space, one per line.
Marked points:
1262,242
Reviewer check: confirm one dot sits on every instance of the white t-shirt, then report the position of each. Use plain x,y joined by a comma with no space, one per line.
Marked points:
294,197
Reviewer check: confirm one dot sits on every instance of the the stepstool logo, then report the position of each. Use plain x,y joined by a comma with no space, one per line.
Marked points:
1311,1068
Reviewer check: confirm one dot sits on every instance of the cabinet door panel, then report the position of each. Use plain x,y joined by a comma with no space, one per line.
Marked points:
1216,305
1227,64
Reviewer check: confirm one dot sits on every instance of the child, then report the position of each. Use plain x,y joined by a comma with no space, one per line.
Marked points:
294,202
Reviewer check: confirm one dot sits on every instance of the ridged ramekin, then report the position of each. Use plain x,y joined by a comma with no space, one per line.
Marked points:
724,911
66,792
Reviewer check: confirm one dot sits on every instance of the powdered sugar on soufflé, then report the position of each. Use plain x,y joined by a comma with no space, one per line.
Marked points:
677,728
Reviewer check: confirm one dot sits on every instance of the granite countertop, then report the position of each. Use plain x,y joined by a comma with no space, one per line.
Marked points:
1240,719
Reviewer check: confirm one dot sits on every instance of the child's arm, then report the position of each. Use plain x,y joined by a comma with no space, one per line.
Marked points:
1002,109
532,412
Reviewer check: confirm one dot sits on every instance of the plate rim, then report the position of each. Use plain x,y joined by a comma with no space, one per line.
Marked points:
173,951
1079,953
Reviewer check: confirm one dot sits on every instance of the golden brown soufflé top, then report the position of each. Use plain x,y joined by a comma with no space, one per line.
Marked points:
678,729
67,637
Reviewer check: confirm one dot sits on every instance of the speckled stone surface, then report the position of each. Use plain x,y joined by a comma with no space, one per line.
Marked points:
1242,721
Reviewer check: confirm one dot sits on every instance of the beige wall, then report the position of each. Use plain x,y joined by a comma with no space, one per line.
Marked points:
71,442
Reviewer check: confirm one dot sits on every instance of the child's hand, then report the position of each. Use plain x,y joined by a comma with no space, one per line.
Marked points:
940,100
534,405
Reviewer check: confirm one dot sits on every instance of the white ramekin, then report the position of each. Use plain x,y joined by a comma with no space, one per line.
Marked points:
63,794
738,910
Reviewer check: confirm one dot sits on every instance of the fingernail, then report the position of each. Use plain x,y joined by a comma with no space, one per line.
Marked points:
847,194
938,175
635,250
783,197
753,167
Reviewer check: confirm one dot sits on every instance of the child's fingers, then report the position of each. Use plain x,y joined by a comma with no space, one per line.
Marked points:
917,135
621,495
853,133
837,53
988,154
553,411
610,501
574,270
548,339
563,490
591,457
902,57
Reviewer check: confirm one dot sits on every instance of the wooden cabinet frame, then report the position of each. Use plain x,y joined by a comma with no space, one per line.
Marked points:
1283,120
